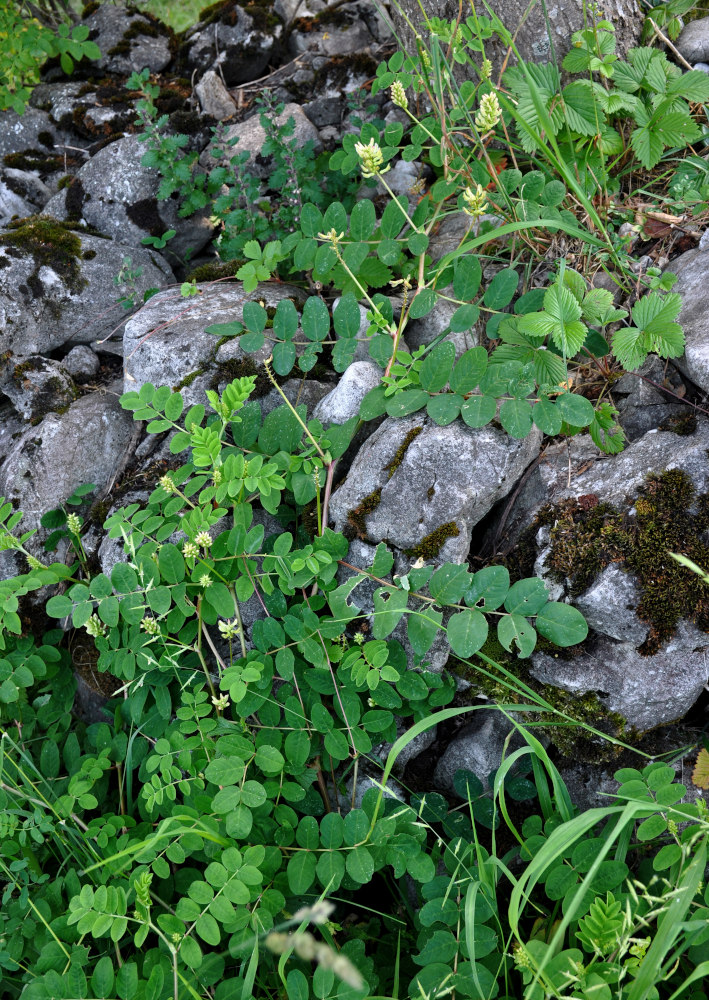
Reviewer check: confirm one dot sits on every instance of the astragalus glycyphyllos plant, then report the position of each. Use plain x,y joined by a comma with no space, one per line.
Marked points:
224,791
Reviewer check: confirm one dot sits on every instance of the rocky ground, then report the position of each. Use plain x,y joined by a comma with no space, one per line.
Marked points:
75,202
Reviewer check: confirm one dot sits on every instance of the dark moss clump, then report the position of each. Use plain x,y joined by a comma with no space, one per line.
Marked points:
682,424
89,254
142,26
668,517
145,215
357,517
227,371
64,181
51,244
46,139
187,122
214,271
74,198
431,492
432,544
90,8
33,159
339,69
401,450
226,11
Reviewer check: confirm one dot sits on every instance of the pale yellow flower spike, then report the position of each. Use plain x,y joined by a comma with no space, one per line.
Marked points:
371,159
398,95
489,112
475,201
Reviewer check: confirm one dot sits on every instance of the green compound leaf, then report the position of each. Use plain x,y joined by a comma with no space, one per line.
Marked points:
562,624
346,316
363,220
516,630
464,318
527,597
423,303
467,274
360,865
389,606
330,870
477,411
444,409
422,627
501,289
449,583
467,632
315,319
437,367
575,410
516,417
547,417
301,872
407,402
468,371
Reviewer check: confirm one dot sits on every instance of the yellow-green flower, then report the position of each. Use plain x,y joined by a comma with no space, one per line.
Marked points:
489,112
475,201
204,539
95,627
485,69
229,629
150,626
73,523
398,95
371,159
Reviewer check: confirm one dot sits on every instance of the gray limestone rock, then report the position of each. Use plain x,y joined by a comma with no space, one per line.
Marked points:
447,477
239,48
49,299
344,400
693,41
129,40
116,195
477,748
214,98
576,468
47,463
609,606
166,343
346,34
81,362
12,203
37,385
692,270
647,691
22,132
252,135
643,406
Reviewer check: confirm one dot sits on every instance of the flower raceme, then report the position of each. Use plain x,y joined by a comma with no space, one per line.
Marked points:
489,112
371,158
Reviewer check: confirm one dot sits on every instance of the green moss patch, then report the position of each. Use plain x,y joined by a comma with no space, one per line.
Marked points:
51,244
667,516
432,544
401,450
357,517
